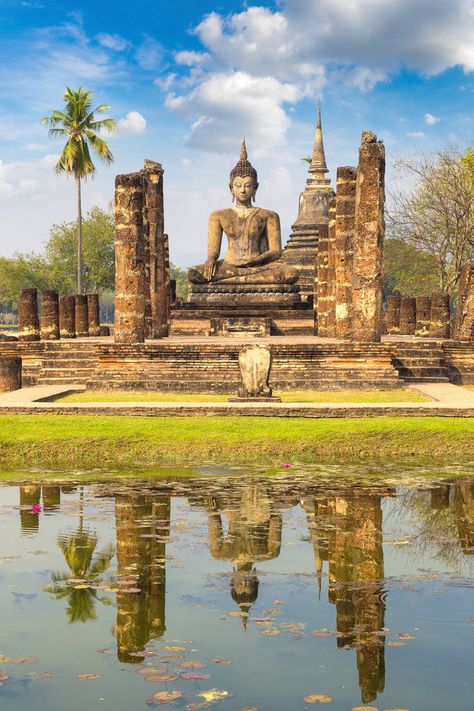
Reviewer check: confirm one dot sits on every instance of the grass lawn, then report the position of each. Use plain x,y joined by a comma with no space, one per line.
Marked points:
82,441
400,395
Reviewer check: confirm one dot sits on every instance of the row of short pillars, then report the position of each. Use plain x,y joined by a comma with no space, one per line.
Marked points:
61,317
421,316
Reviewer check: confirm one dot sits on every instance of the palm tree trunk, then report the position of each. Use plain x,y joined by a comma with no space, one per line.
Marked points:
79,235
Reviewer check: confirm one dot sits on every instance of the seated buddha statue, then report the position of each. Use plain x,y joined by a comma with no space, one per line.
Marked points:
254,238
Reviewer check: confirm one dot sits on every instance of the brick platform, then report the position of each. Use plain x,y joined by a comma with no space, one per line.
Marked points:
211,364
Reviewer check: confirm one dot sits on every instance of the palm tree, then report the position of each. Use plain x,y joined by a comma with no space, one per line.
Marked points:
79,124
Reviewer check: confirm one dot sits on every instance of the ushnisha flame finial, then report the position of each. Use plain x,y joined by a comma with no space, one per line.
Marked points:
243,167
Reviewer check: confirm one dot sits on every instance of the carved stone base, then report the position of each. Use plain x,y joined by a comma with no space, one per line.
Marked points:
222,296
243,325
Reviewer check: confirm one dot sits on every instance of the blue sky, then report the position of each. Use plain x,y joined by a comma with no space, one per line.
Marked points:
188,79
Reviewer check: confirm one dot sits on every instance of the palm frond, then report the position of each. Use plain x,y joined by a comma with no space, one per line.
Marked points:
99,146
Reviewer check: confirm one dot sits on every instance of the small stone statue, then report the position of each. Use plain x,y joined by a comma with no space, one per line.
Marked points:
255,363
253,255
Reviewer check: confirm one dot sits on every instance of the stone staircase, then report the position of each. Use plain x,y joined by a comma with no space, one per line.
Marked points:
67,363
421,362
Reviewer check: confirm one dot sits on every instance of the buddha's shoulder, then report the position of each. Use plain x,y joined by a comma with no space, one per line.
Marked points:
226,212
267,213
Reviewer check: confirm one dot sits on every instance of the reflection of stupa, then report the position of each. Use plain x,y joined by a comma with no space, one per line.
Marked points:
347,532
142,524
253,535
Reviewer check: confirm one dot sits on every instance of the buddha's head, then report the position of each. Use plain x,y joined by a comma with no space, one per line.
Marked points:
243,179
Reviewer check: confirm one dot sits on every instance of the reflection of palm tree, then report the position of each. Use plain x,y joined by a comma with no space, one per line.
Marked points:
84,569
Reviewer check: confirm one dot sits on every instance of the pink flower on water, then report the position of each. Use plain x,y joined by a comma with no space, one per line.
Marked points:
286,466
36,509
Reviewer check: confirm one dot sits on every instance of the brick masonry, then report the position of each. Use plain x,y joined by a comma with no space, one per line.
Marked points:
464,321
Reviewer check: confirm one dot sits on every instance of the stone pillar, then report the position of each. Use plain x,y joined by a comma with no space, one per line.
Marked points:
345,226
161,297
369,239
10,373
393,315
93,310
331,287
49,316
440,325
423,315
67,317
407,316
464,322
172,291
154,221
81,316
28,321
129,260
321,285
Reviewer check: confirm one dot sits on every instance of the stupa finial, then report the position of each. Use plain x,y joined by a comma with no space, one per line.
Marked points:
318,161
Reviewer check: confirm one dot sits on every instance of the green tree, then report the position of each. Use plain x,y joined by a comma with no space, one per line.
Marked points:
98,251
78,123
19,272
407,270
436,216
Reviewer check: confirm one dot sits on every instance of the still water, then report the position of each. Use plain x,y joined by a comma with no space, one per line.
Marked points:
231,592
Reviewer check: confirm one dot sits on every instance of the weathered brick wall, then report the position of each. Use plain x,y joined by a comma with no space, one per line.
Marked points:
369,239
464,321
344,247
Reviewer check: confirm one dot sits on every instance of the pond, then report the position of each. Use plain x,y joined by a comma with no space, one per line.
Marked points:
227,591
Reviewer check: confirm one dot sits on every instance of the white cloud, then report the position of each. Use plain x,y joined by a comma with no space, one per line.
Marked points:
115,42
35,147
431,120
236,105
133,122
150,54
166,82
416,134
189,59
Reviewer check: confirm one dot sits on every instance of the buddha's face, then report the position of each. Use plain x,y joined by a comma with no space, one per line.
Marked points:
243,190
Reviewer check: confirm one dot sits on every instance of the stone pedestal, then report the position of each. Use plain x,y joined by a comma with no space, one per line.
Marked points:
255,363
49,316
10,373
369,238
393,315
93,311
129,260
440,324
241,296
407,316
67,317
28,321
81,315
423,315
344,246
464,322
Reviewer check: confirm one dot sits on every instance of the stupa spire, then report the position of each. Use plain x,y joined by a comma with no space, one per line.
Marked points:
318,165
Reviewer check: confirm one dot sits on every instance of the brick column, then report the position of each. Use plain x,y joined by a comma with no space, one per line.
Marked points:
161,299
423,315
28,321
154,220
49,316
407,316
331,287
10,373
81,315
345,226
464,322
93,310
129,260
393,315
369,239
440,325
321,285
67,317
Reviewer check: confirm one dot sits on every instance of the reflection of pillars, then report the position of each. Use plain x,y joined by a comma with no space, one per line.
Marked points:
51,497
463,504
142,525
30,495
347,531
440,497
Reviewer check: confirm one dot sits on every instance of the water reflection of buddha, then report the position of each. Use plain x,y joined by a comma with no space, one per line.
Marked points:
253,535
347,532
142,528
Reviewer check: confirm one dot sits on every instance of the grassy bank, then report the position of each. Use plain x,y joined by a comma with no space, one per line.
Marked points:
331,396
59,441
